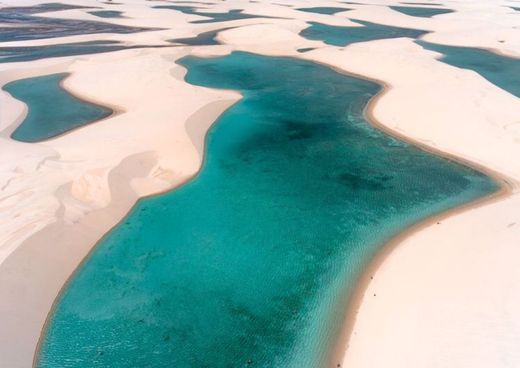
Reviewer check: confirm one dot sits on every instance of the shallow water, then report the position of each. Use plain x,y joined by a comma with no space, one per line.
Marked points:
343,36
502,71
23,24
330,10
418,11
249,264
52,110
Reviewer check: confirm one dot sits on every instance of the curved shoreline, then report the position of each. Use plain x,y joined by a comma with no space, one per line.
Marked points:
58,259
360,285
354,299
221,106
9,130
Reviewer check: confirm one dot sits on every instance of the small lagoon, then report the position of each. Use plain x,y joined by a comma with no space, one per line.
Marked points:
107,13
502,71
251,263
419,11
328,10
343,36
51,110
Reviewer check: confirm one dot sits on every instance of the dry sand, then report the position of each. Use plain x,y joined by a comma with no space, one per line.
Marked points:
446,295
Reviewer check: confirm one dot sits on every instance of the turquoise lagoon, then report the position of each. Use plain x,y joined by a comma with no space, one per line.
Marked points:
500,70
343,36
52,110
251,263
419,11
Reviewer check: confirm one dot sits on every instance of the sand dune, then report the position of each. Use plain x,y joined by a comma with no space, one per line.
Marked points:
446,295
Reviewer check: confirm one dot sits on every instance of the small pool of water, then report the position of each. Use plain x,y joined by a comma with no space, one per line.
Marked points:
419,11
51,110
502,71
329,10
343,36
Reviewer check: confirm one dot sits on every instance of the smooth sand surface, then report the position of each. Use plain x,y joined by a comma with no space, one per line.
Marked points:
445,295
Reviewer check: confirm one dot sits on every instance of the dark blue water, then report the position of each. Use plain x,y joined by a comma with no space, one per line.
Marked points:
343,36
324,10
420,11
23,24
107,13
500,70
250,263
234,14
52,110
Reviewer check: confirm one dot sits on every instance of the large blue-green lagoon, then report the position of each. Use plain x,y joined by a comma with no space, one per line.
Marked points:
251,263
51,110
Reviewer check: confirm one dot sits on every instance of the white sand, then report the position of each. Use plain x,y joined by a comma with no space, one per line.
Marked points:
448,295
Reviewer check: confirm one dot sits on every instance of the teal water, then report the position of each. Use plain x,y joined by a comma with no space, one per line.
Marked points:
418,11
343,36
502,71
250,263
107,13
329,10
52,110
